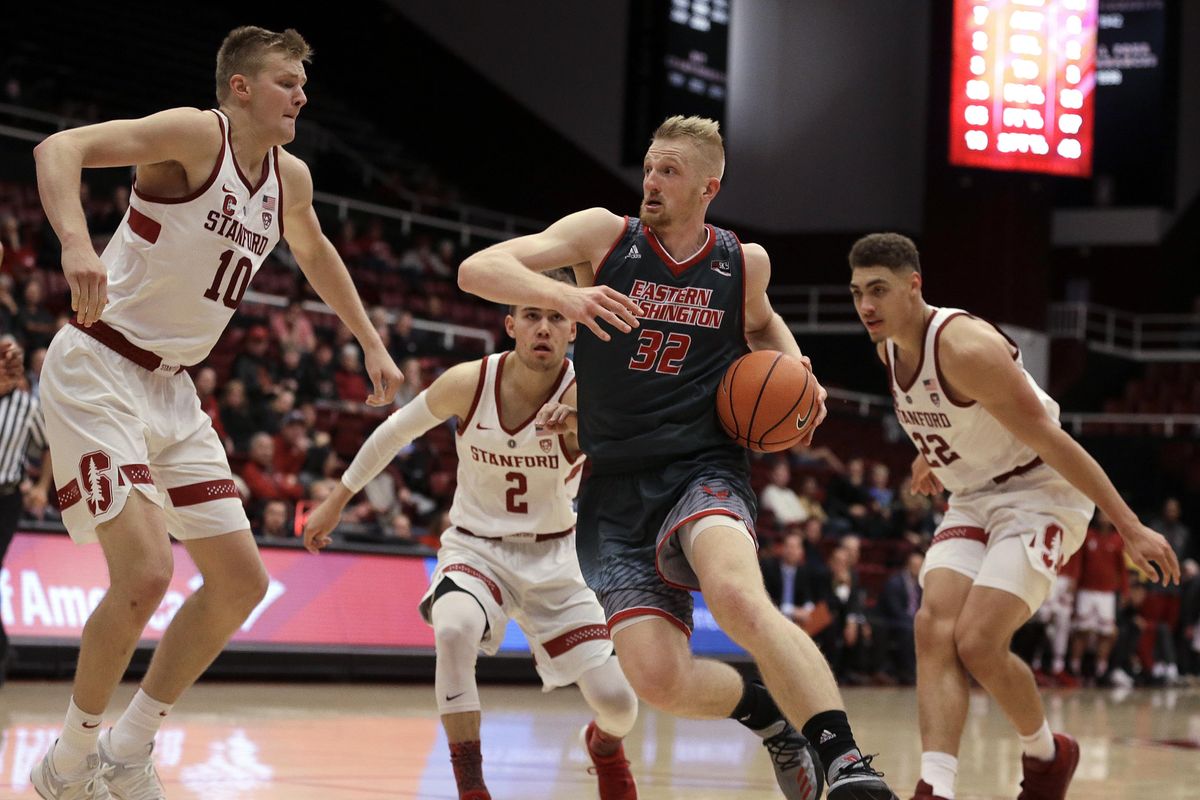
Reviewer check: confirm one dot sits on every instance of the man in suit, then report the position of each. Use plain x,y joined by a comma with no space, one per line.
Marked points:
898,604
795,588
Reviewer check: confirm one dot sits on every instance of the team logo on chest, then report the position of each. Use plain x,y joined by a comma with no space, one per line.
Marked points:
546,444
721,268
94,478
930,386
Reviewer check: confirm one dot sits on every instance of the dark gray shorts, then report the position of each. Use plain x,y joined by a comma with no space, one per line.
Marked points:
627,548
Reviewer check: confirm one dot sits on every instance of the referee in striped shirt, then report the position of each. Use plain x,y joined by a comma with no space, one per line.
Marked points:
20,426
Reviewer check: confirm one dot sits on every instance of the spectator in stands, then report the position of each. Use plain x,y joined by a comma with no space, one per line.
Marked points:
274,524
348,244
846,642
315,378
350,379
850,501
779,498
292,444
400,528
291,327
417,260
19,258
110,220
1170,526
279,405
34,375
236,418
1102,577
377,253
8,304
253,366
795,589
810,499
265,482
880,489
913,517
813,532
405,340
897,608
445,261
35,322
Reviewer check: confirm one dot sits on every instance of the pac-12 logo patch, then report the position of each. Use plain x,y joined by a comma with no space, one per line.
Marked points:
266,219
95,482
547,445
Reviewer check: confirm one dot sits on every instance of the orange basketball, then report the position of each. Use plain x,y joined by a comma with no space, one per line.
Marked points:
767,401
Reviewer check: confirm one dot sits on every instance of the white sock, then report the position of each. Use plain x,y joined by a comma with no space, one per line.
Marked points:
1039,745
1058,666
138,726
939,770
76,742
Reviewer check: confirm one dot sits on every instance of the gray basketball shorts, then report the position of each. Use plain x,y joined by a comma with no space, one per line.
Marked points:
626,535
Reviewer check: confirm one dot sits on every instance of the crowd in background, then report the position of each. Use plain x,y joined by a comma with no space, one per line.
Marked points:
842,538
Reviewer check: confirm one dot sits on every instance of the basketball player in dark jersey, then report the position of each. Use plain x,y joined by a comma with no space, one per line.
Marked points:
665,303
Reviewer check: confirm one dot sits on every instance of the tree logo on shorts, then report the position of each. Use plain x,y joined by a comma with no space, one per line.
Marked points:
94,480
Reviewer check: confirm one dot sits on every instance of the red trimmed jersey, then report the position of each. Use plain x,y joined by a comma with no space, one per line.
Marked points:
517,480
966,446
178,267
649,396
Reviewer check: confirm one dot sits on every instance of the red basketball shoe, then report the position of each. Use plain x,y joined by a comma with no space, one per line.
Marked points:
1048,780
611,771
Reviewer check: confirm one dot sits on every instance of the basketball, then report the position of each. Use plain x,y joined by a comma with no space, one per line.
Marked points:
767,401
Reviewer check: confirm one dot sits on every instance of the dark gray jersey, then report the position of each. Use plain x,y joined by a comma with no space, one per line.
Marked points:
648,396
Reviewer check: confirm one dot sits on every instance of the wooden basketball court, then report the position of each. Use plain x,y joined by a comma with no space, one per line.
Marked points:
237,741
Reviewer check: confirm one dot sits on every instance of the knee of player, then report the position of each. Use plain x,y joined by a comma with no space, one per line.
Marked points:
144,587
932,630
656,680
978,652
740,610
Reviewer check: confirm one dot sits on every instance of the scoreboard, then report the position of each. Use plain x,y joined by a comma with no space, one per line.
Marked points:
1022,85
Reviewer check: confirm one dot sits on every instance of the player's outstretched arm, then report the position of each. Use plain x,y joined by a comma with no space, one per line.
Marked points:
325,270
562,417
978,365
509,272
187,136
765,329
448,396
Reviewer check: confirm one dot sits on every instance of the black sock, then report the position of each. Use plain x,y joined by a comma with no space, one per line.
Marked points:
830,733
756,710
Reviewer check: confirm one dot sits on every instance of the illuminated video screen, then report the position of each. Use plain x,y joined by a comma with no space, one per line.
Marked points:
1022,85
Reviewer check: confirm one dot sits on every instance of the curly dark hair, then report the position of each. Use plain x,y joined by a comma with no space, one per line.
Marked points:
891,250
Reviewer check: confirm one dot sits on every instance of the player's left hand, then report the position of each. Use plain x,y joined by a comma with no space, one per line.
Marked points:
386,377
557,418
821,410
1144,546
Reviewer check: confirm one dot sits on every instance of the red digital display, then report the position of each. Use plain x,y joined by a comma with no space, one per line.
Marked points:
1022,85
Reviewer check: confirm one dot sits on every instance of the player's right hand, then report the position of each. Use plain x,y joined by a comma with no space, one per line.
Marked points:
88,278
923,479
1144,545
589,305
320,525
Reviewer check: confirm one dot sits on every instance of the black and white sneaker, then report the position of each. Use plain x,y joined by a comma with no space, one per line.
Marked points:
851,777
797,767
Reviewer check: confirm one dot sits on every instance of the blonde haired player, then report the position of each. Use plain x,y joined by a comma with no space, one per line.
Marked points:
667,303
1022,493
134,456
510,552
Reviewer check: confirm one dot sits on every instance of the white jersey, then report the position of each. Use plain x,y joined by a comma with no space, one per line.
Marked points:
967,447
512,480
178,267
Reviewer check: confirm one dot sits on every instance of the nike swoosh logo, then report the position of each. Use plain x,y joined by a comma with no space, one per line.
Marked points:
802,421
225,188
454,697
482,428
89,727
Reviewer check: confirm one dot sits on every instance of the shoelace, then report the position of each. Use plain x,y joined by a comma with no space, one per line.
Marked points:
786,748
94,783
861,767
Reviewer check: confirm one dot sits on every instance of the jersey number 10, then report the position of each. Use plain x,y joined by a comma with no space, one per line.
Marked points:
237,282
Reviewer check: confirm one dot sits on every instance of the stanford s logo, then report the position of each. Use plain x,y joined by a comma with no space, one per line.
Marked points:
95,482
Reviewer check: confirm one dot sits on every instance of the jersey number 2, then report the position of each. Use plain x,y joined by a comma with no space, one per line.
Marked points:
237,282
936,450
674,348
519,487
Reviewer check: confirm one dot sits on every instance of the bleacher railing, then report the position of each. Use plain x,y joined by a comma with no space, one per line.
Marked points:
816,309
1139,337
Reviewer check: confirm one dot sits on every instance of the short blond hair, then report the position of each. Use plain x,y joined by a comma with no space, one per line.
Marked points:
703,133
244,48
